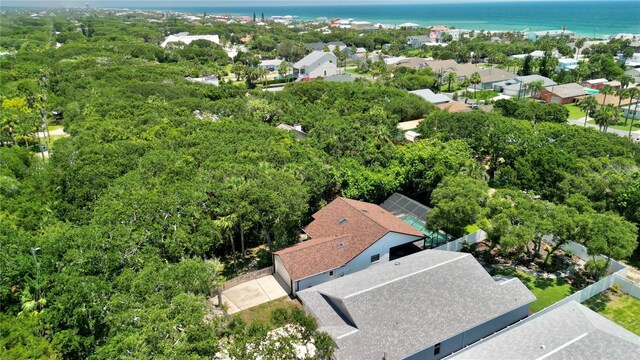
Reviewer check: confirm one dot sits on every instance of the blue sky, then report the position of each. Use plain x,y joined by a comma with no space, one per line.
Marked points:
187,3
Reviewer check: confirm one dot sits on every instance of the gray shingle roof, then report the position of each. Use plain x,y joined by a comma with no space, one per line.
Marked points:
568,90
436,294
570,331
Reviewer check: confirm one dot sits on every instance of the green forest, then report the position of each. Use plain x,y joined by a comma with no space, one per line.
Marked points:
112,245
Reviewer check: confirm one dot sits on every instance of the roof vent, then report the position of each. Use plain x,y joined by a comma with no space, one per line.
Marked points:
341,245
342,221
397,263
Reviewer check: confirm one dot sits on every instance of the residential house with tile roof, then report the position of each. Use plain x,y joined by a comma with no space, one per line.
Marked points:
346,236
422,306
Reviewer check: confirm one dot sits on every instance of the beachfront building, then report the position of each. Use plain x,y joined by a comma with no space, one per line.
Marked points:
435,32
535,35
456,34
408,25
316,64
361,25
422,306
185,38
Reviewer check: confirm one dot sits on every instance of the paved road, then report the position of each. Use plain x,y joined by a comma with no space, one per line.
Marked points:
580,122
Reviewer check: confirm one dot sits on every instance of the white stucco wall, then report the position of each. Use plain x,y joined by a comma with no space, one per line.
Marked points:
361,261
322,67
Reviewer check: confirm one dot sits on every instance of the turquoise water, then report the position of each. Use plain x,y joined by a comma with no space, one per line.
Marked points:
587,18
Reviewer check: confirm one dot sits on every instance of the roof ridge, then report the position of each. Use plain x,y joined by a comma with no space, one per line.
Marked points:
364,213
319,241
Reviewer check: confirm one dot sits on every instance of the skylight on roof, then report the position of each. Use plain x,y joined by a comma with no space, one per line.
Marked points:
342,221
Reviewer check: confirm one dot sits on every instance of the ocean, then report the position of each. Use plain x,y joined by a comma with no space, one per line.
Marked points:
586,18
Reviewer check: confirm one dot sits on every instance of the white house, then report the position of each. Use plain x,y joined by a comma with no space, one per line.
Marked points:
519,86
270,65
422,306
346,236
318,63
567,64
187,39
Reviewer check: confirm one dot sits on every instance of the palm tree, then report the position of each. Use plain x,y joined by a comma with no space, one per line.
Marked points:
621,93
625,80
535,87
632,93
605,116
451,78
606,90
475,80
579,45
588,105
284,69
226,224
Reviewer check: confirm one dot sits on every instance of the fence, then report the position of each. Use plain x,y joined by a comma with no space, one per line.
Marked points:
456,245
247,277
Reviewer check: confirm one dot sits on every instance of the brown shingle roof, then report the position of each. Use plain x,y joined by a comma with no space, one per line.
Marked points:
355,224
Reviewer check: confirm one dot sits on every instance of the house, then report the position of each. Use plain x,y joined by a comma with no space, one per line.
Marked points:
456,34
318,63
412,63
270,65
435,32
411,135
361,25
567,64
362,54
187,39
319,46
535,35
422,306
431,97
635,74
595,83
563,94
346,236
296,129
493,75
633,62
519,86
442,66
569,331
419,40
210,80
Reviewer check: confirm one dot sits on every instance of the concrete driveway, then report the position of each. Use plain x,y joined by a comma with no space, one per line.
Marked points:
251,293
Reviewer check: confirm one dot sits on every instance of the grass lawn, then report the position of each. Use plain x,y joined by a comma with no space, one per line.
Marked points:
547,291
574,111
54,127
621,126
355,71
620,308
262,312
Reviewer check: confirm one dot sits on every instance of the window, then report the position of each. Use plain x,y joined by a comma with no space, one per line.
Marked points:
375,257
331,273
436,349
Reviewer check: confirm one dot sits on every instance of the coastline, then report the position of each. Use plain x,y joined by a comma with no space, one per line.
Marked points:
591,19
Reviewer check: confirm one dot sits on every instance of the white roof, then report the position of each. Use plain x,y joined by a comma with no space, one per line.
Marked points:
408,24
431,97
567,61
597,81
187,39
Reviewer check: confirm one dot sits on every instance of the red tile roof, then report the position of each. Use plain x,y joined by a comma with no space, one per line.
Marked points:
355,224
